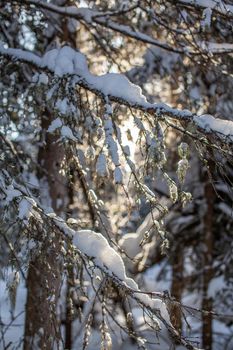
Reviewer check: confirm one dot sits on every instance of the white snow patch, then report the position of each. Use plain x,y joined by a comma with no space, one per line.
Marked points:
67,133
96,247
11,193
62,105
68,61
43,79
56,123
215,285
211,124
101,165
25,207
119,86
118,177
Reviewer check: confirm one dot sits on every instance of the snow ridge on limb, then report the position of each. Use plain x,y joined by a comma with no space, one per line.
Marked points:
67,62
101,18
219,6
97,248
94,247
214,125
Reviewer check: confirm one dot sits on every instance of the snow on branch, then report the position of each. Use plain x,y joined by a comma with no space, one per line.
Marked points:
93,246
116,87
215,47
96,247
213,125
101,18
218,6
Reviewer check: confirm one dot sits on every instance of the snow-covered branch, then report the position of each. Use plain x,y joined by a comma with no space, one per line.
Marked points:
93,246
216,47
220,7
94,17
68,62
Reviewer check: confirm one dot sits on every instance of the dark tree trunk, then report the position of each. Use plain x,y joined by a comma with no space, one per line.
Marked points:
69,314
44,274
70,278
208,261
177,289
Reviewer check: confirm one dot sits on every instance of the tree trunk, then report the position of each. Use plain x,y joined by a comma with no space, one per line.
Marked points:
44,274
177,289
70,278
208,261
